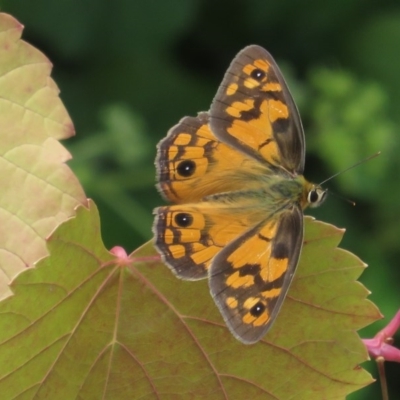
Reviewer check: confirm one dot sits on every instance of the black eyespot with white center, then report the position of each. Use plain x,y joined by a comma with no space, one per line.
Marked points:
257,309
257,74
186,168
184,220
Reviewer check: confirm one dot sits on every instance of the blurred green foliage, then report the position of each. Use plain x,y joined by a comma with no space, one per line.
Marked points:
129,70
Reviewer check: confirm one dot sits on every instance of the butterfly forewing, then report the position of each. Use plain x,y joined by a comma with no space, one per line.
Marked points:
254,112
250,277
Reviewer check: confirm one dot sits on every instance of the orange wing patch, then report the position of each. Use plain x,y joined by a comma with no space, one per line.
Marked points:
254,112
248,269
252,119
192,163
250,276
189,236
258,132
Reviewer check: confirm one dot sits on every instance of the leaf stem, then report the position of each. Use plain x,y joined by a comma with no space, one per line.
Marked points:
382,375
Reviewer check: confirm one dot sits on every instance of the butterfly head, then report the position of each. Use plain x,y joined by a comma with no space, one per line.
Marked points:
316,195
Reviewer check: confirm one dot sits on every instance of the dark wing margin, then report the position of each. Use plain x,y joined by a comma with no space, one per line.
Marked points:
175,244
258,116
250,277
183,158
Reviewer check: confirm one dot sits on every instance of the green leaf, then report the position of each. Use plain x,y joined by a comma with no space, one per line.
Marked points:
89,325
38,190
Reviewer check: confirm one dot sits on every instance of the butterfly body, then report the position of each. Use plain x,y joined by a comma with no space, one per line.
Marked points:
235,175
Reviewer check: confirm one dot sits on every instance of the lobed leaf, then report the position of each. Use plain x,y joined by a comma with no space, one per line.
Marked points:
89,325
38,190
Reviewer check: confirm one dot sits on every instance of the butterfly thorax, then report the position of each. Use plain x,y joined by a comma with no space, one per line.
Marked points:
276,194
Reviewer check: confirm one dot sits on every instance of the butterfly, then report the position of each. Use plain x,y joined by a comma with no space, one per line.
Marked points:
235,176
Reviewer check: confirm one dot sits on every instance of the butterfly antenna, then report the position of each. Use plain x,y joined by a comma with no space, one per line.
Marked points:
351,167
353,203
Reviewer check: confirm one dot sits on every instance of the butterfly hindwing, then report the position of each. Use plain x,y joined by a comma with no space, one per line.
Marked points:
254,112
249,278
192,163
190,235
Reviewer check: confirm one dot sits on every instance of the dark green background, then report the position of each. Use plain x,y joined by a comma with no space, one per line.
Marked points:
128,70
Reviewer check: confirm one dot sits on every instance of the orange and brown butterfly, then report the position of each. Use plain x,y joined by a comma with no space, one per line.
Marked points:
235,174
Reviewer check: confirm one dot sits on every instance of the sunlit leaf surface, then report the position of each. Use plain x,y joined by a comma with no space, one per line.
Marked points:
85,324
38,191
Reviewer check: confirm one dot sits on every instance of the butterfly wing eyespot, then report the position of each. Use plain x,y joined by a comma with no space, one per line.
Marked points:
177,234
258,74
181,159
183,220
186,168
258,309
254,112
191,163
188,236
250,277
